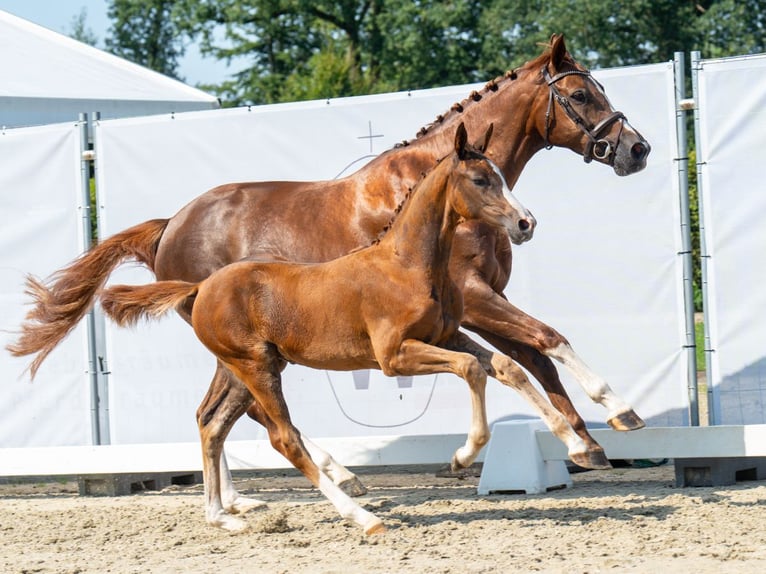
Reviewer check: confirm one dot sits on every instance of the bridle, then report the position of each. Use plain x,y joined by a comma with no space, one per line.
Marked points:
597,147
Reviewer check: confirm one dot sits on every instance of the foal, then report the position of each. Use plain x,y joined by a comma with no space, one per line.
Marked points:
390,306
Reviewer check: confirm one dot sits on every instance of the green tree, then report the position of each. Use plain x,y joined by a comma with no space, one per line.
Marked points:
144,32
267,41
79,30
731,27
296,49
430,43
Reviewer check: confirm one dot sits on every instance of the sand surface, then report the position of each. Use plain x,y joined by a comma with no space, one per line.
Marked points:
627,520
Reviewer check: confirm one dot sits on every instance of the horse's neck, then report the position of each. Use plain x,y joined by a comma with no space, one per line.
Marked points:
515,139
384,182
421,235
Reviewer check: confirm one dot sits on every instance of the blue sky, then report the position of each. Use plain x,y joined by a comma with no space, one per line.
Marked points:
58,15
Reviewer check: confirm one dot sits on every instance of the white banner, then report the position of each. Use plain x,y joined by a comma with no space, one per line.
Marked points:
603,268
732,109
40,231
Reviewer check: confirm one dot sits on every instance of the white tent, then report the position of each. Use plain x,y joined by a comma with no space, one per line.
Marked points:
48,78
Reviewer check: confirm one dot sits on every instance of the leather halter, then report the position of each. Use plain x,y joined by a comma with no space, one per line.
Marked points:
597,147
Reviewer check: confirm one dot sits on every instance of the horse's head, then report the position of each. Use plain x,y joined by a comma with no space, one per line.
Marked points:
481,192
578,115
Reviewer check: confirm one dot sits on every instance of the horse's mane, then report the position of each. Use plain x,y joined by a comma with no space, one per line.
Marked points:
490,87
457,108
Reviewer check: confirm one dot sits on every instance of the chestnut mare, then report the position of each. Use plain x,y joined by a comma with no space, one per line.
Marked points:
393,306
550,101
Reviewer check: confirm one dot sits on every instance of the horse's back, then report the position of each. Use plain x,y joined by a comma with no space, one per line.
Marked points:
289,221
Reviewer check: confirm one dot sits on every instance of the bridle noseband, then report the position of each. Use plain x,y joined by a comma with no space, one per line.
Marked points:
597,147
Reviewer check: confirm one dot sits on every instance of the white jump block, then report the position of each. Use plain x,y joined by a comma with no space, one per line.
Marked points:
514,462
525,456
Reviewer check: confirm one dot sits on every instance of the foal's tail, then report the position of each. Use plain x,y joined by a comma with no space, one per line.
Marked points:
65,298
127,304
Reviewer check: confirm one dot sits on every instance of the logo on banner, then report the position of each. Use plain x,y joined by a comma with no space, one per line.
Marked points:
371,399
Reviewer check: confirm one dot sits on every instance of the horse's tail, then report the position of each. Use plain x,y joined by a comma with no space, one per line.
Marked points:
127,304
62,300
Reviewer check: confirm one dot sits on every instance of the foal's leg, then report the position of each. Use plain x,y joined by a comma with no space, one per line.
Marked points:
222,406
339,474
488,312
509,373
415,357
262,378
225,396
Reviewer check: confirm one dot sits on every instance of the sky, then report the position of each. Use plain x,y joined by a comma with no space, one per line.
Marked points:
58,15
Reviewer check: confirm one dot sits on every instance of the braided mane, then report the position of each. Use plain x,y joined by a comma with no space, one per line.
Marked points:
490,87
458,107
410,190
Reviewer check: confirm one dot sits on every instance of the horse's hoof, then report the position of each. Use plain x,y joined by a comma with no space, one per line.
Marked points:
627,421
228,522
458,468
242,505
592,459
455,470
377,527
353,487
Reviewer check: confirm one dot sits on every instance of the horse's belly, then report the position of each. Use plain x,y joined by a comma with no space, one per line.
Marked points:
328,346
330,358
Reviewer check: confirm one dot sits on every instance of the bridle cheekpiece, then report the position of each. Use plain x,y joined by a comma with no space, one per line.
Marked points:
597,147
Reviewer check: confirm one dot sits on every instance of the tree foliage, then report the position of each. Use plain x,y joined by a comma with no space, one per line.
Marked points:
144,32
79,30
283,50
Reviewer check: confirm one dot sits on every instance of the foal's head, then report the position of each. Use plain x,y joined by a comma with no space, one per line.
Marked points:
479,190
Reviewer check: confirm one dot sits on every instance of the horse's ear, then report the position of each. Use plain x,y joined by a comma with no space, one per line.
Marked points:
484,144
558,51
461,137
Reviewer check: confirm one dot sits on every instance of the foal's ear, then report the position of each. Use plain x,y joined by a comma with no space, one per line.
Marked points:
461,137
483,145
558,50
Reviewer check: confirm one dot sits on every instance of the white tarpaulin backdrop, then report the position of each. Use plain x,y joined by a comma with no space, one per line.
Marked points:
40,231
732,108
603,268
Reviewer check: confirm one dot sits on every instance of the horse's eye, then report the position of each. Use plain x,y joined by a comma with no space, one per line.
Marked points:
579,96
480,181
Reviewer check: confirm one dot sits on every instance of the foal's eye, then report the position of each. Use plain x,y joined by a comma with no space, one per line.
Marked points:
480,181
579,96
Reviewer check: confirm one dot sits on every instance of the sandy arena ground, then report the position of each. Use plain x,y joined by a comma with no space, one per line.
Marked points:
626,520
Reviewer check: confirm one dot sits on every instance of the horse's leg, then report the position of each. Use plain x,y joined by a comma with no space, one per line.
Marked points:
226,401
502,368
490,313
262,378
338,473
225,394
415,357
543,369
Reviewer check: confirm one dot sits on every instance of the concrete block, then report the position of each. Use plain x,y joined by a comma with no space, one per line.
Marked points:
719,471
129,483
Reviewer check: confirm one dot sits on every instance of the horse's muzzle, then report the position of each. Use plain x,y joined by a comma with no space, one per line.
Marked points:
523,230
631,152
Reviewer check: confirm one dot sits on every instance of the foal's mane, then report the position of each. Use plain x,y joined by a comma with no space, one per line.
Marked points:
471,151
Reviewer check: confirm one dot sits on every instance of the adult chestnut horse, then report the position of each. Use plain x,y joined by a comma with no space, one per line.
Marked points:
393,307
550,101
